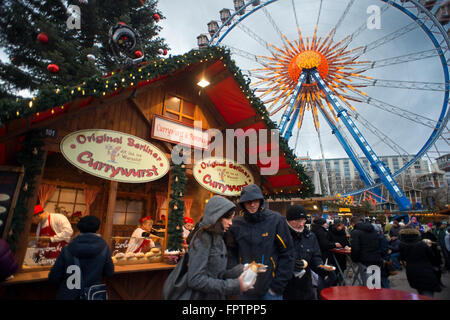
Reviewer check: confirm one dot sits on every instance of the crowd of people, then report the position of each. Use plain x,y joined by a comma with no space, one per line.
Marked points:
295,251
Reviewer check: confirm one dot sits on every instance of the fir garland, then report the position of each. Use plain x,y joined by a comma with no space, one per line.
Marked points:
176,205
31,157
54,98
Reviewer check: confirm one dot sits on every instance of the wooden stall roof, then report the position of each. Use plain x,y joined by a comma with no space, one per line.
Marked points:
235,105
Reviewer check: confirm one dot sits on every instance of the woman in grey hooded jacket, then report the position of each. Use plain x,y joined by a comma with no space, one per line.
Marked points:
207,274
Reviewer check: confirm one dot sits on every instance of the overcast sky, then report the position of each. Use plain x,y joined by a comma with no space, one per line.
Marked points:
186,19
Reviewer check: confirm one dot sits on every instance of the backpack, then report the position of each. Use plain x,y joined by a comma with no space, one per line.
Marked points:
96,291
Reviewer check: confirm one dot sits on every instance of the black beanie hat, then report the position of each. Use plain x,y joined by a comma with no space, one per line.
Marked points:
88,224
296,212
320,221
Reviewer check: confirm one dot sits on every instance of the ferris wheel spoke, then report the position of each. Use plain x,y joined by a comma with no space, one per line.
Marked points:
274,25
255,36
406,114
412,85
390,37
341,19
399,60
378,133
363,27
243,53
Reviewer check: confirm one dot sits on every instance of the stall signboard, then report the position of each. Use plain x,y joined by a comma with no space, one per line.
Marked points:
114,156
176,132
222,176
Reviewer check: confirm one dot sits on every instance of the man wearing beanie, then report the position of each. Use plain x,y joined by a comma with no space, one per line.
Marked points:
94,258
261,235
306,254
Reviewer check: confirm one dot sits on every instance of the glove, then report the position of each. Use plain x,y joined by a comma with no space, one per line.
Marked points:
300,265
145,234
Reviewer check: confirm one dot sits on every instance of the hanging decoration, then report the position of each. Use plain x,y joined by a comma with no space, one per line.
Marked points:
53,68
42,38
156,17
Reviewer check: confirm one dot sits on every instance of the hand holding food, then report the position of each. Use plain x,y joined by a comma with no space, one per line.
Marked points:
327,267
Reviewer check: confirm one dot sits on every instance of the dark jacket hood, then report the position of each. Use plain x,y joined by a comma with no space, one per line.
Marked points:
216,207
409,235
86,245
251,192
336,231
366,227
317,227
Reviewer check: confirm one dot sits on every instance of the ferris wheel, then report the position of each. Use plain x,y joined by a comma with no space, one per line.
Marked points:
366,77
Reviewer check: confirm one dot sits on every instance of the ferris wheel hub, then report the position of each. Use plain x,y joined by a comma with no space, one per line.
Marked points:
306,60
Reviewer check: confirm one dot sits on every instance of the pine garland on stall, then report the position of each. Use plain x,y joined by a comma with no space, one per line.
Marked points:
31,157
176,205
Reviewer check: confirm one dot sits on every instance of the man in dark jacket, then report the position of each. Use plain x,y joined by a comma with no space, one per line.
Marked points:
366,245
319,226
94,256
418,257
261,235
337,234
307,256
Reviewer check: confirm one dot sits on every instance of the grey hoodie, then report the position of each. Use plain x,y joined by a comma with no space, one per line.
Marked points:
207,274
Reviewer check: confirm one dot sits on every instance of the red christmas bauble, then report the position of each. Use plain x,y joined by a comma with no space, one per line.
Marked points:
165,52
138,54
156,17
42,37
53,68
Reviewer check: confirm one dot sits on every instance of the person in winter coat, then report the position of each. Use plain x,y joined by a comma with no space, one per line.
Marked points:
207,274
94,256
395,229
306,254
318,227
440,235
366,245
418,257
337,234
8,265
261,235
437,257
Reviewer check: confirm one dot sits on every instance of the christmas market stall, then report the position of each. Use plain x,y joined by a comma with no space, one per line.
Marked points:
106,148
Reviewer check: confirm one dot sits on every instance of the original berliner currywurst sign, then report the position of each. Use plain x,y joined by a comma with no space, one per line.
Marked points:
114,156
222,176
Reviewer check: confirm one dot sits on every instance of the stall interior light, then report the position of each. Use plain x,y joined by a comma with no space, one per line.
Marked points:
203,83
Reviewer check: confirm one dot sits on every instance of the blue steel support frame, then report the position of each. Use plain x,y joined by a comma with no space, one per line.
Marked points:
376,164
285,118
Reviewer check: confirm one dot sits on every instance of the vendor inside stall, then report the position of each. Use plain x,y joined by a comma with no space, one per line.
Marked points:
140,239
53,232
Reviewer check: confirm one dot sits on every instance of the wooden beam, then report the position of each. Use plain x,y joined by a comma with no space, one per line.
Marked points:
110,212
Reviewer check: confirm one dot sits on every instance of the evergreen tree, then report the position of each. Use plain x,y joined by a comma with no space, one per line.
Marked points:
22,21
176,206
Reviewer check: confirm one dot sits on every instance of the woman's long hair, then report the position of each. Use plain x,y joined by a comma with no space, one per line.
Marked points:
214,228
